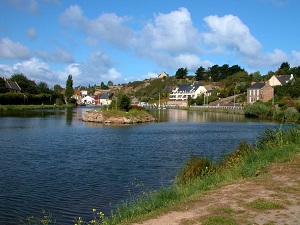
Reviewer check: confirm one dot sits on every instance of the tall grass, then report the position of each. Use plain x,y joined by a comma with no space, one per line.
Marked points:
201,175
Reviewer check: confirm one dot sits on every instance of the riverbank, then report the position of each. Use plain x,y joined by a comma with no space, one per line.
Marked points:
34,107
118,117
244,168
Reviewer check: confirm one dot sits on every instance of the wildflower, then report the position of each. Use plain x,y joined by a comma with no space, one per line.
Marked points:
94,210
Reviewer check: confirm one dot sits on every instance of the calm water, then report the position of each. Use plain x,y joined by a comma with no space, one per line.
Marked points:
50,160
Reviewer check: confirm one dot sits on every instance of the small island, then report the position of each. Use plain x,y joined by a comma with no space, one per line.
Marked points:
118,117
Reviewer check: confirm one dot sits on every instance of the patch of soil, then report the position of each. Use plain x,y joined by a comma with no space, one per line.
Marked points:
281,185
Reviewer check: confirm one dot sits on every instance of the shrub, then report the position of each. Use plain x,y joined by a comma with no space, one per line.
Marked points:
196,167
291,115
232,159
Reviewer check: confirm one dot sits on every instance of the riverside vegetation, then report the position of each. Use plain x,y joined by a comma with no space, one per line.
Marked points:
200,176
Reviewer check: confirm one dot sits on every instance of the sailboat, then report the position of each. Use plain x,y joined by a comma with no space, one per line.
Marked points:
159,107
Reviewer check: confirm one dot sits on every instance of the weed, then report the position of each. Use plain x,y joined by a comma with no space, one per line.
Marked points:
217,220
263,204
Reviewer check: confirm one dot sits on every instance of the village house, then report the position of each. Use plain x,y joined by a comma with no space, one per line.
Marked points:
12,86
277,80
180,95
105,99
259,92
162,75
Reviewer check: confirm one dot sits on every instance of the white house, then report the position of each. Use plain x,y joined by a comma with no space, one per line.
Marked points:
277,80
105,99
181,94
88,100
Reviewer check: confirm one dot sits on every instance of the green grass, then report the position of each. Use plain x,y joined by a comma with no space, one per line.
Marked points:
263,204
217,220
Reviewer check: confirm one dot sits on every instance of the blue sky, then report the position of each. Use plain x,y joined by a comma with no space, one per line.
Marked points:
129,40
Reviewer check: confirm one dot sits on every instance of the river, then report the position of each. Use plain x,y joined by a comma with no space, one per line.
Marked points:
51,160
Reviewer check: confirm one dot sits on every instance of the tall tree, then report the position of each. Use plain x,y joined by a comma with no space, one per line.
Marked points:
284,68
181,73
200,73
69,89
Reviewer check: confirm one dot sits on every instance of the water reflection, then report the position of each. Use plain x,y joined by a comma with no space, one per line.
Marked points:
175,115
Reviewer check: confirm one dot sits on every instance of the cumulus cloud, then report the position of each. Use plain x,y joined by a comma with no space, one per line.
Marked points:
230,33
108,27
173,32
58,55
31,33
13,50
171,40
295,58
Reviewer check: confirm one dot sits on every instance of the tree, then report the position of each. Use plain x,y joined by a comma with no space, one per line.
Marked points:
123,102
57,88
256,77
69,89
3,88
110,83
181,73
42,87
103,86
214,72
200,73
26,85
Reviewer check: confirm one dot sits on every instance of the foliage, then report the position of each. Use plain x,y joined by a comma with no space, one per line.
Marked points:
181,73
69,88
3,88
200,74
195,168
42,87
124,102
262,110
57,88
26,85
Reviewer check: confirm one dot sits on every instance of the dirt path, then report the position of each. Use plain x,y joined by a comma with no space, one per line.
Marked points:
272,198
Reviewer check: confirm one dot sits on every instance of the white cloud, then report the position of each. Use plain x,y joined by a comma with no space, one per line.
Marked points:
112,75
31,33
13,50
108,27
229,32
295,58
74,69
268,60
171,40
173,33
58,55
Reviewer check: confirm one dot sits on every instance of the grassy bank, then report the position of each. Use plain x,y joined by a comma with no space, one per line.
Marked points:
217,110
33,107
200,176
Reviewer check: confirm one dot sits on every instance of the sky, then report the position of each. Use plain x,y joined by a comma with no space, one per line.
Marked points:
131,40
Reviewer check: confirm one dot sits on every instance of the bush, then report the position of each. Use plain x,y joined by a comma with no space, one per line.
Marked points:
258,110
291,115
196,167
